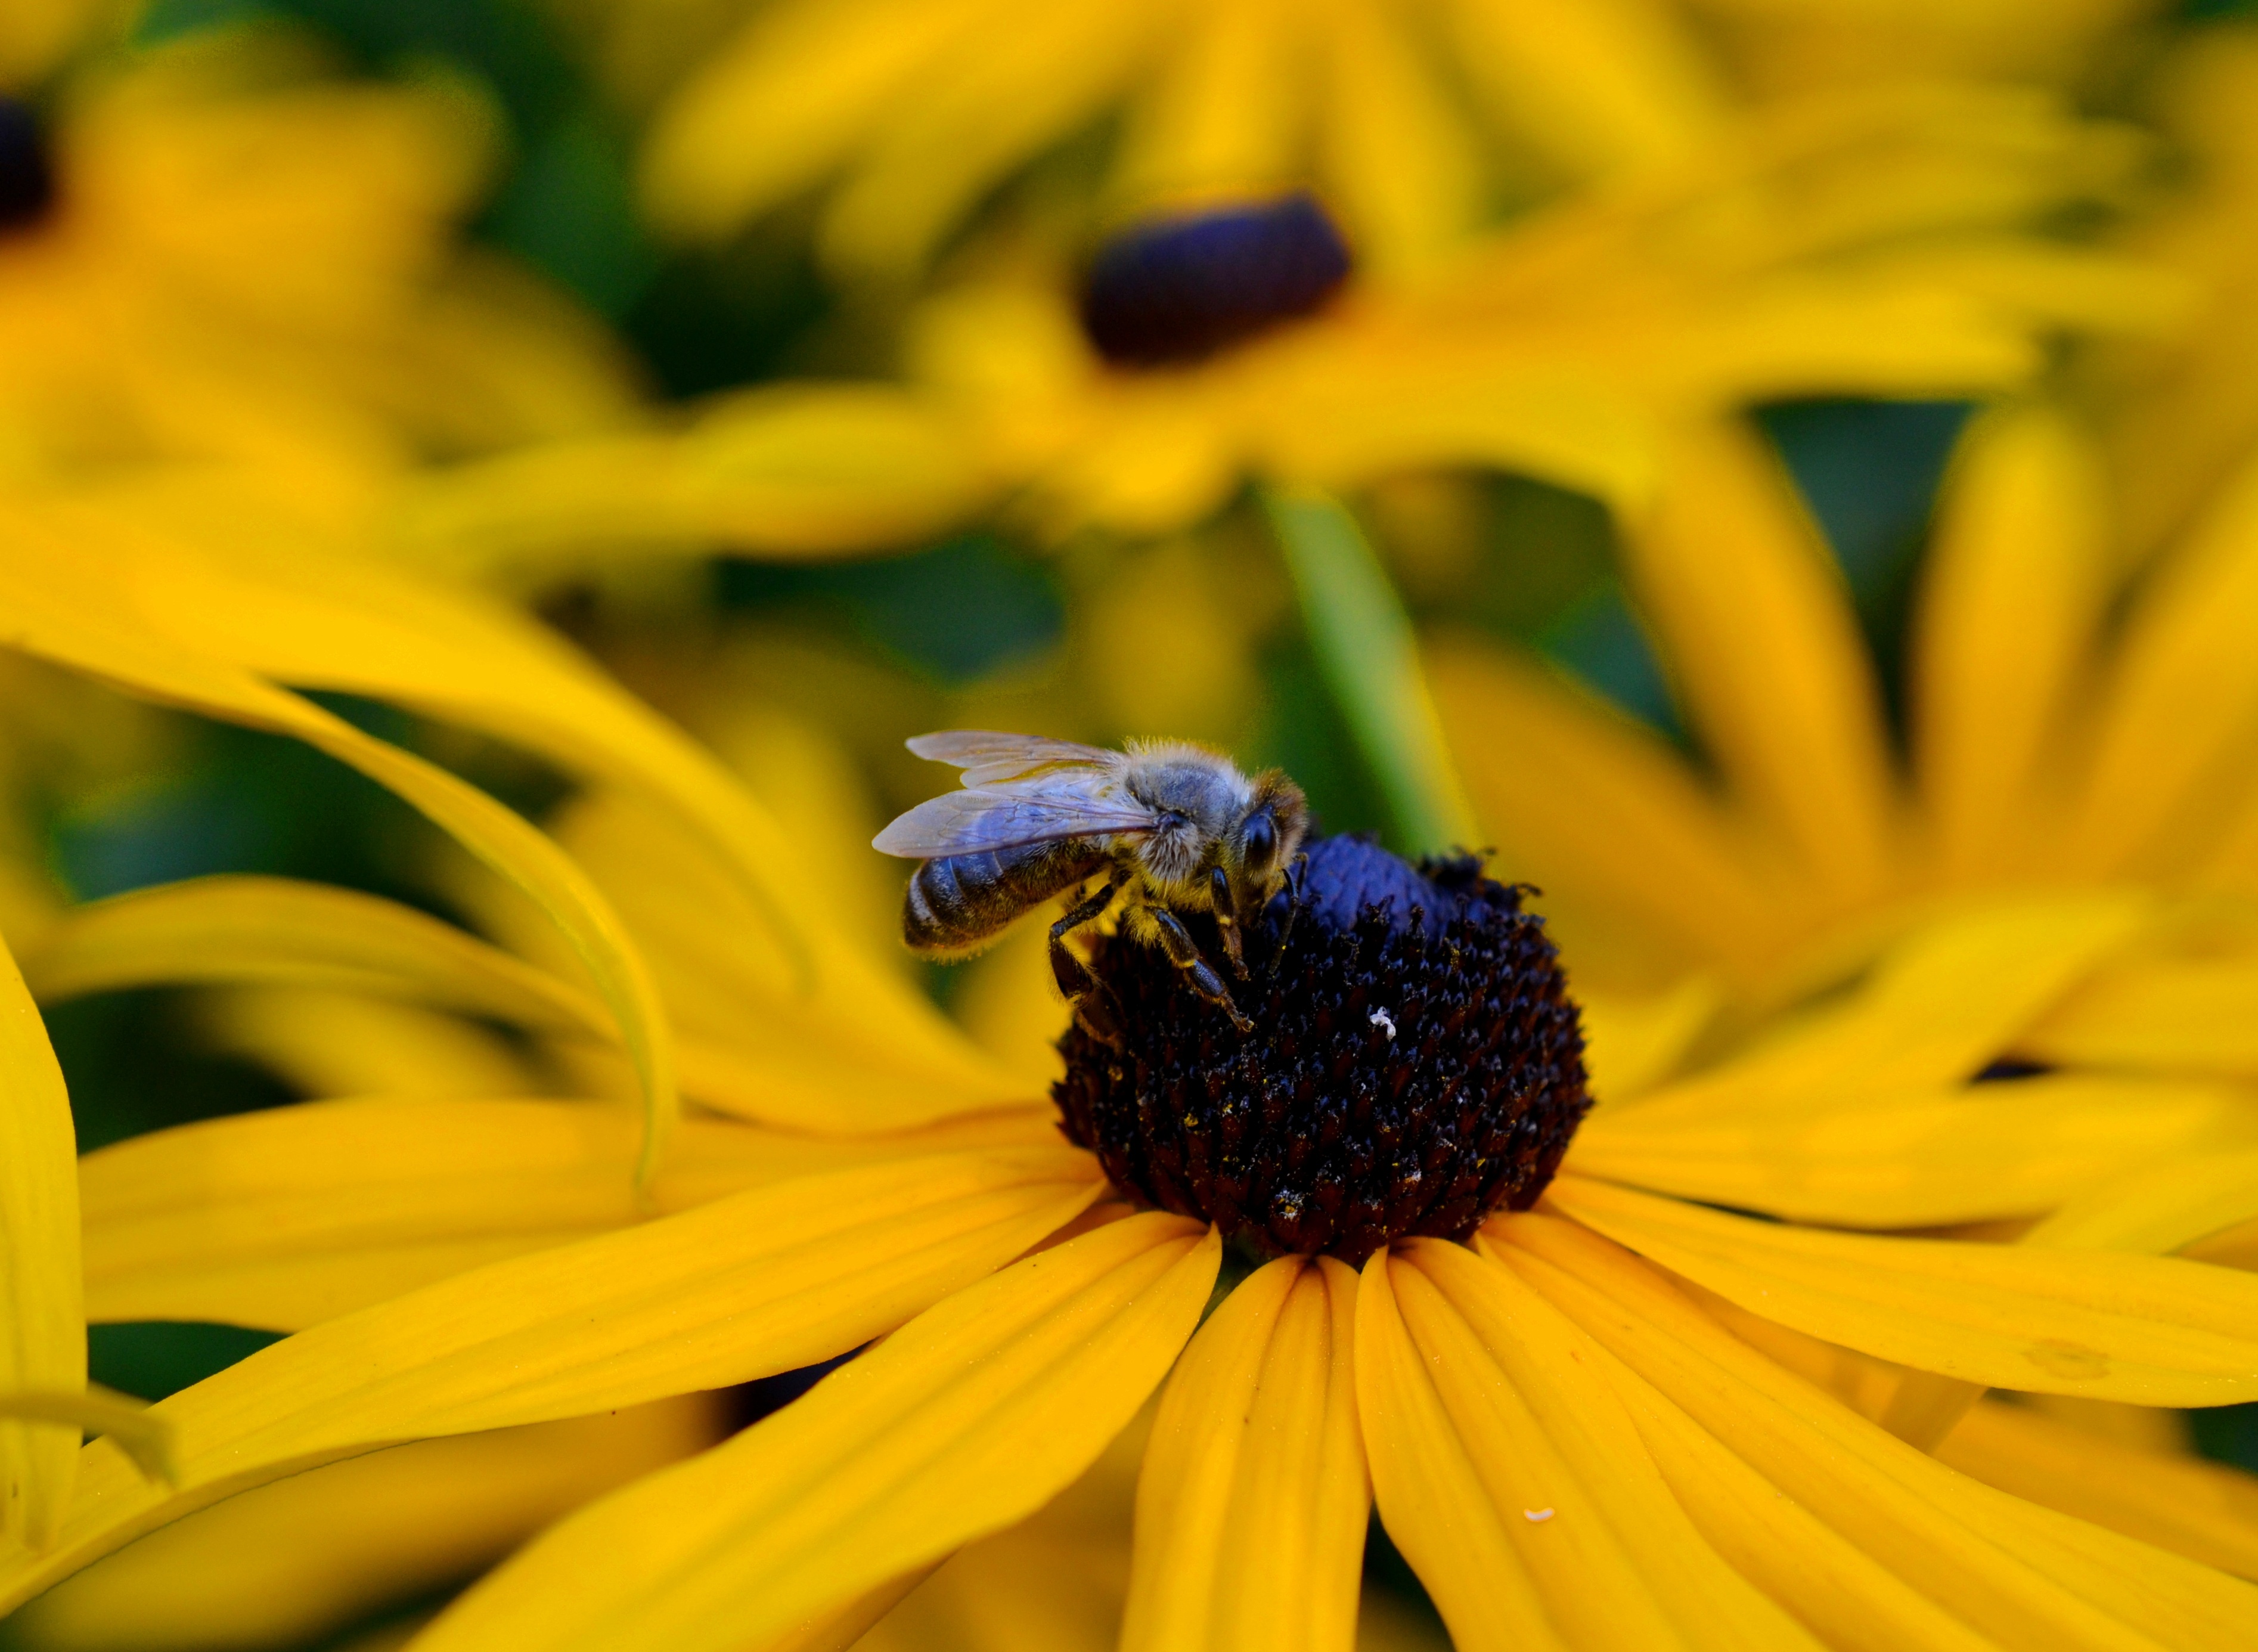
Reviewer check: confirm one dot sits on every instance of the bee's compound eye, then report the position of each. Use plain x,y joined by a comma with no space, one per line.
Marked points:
1258,842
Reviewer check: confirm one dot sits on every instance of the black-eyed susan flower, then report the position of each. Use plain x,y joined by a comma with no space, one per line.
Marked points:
208,252
1584,1424
1868,245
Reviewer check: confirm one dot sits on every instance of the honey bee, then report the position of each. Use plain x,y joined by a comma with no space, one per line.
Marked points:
1175,828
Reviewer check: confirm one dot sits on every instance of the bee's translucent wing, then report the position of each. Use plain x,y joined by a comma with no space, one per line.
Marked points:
987,756
966,822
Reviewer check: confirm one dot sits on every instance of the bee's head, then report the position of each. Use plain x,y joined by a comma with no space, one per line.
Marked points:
1265,841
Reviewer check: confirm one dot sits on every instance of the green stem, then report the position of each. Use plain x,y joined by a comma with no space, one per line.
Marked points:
1370,660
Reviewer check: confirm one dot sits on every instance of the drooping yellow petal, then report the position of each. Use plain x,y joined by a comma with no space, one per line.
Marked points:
277,929
2013,588
967,1420
298,1559
767,1280
2205,1511
1913,1159
2149,1329
1757,633
2169,746
2025,1575
1599,812
1251,1510
286,1218
209,567
65,609
864,1050
42,1327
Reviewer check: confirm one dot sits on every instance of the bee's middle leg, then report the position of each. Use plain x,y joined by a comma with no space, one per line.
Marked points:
1183,952
1084,990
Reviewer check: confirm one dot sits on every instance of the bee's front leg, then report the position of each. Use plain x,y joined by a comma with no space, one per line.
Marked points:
1227,920
1183,952
1084,990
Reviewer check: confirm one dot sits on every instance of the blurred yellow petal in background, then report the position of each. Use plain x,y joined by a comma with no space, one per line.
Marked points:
215,252
1877,246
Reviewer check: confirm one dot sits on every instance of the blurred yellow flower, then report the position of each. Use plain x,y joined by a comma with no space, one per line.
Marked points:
2068,733
210,253
1574,1426
918,110
1868,245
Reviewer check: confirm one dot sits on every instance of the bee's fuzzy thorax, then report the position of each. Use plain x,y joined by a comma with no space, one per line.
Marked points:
1416,1064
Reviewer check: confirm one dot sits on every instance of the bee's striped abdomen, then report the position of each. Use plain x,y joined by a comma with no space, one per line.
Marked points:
957,905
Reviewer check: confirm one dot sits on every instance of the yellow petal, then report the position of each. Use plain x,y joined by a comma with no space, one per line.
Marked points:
2205,1511
2158,1207
66,607
1599,812
1757,633
1251,1510
275,929
42,1328
787,470
323,1043
1431,1496
1940,1004
2022,1575
211,568
1225,115
2012,589
1913,1159
299,1559
864,1050
1399,166
966,1420
1596,87
784,103
2157,1014
285,1218
2171,743
1033,73
1495,1348
145,1438
767,1280
2149,1329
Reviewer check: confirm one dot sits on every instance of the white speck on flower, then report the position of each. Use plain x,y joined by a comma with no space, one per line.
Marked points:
1381,1018
1537,1516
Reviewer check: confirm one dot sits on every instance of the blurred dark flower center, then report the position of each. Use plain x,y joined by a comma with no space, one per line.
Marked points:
1176,289
27,179
1417,1062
